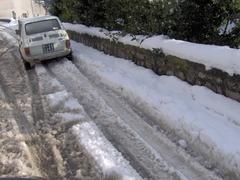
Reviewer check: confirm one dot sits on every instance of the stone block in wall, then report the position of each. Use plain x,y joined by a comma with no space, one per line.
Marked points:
120,52
190,77
180,75
149,63
177,64
233,95
211,86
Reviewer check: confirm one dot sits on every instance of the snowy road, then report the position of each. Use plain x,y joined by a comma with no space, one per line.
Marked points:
148,150
74,127
45,132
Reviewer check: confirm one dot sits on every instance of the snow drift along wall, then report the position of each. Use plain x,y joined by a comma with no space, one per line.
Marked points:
162,64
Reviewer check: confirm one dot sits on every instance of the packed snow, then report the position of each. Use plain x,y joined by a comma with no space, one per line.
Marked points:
203,118
103,152
212,56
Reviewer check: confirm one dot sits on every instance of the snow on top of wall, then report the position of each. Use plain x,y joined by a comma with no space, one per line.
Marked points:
212,56
94,31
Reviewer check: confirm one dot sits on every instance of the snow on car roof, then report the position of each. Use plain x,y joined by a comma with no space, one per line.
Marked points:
38,18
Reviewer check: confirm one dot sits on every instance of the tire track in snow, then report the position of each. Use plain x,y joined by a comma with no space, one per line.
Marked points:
12,145
50,154
150,131
173,154
64,110
143,157
14,81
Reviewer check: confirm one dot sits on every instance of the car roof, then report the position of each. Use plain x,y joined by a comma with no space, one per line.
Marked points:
7,18
38,18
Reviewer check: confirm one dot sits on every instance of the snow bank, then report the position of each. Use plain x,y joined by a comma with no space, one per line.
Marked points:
220,57
10,35
206,120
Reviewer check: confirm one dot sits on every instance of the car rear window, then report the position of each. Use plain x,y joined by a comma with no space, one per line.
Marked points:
42,26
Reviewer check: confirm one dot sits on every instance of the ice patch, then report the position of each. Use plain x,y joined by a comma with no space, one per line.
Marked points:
102,151
182,143
57,98
70,116
72,104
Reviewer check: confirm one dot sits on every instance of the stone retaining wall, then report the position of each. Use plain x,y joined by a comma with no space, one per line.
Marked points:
193,73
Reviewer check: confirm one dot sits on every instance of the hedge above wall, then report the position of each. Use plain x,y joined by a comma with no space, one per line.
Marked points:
193,73
205,21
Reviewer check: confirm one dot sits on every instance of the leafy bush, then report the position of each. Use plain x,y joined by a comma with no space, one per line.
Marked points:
192,20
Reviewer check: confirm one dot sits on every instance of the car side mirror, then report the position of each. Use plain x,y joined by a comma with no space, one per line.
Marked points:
17,32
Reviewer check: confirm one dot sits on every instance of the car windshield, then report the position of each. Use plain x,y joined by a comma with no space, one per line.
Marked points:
42,26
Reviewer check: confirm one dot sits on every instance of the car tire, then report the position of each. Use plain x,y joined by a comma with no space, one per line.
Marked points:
27,65
70,56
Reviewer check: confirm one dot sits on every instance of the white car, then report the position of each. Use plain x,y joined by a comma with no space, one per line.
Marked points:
42,38
9,23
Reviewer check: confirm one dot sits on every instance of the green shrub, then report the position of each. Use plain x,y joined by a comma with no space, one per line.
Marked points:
192,20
